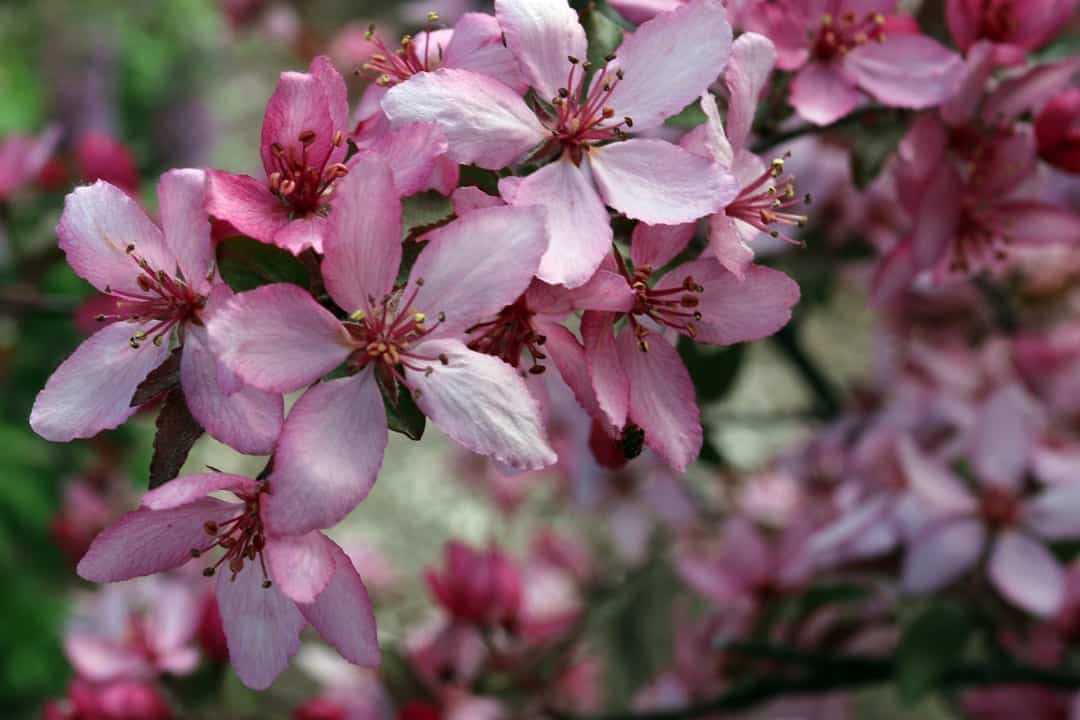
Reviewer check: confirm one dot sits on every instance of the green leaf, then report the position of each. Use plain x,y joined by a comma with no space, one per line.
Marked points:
402,414
689,117
246,264
873,145
932,642
424,212
604,35
177,432
713,370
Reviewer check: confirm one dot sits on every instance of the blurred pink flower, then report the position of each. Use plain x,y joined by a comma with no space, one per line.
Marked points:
1014,27
23,157
1057,129
480,587
102,157
121,699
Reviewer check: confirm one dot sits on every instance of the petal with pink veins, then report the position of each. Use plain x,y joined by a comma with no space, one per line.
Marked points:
938,217
301,234
578,227
477,46
941,554
568,356
752,59
189,488
1027,574
660,183
729,240
363,246
411,151
328,456
298,105
337,101
669,61
486,123
182,200
477,265
1054,514
481,403
277,337
342,612
301,565
542,34
1017,95
262,626
247,420
657,245
734,310
606,290
822,94
246,203
662,399
908,70
91,391
609,379
144,542
100,222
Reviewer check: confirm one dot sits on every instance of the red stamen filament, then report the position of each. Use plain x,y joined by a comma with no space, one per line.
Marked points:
510,335
763,203
301,182
241,537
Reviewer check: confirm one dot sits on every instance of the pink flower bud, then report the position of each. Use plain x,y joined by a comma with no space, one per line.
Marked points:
482,587
1057,128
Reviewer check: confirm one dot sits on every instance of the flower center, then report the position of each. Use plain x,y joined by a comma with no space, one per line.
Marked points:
763,203
164,300
510,335
578,117
242,538
673,307
391,67
999,507
301,181
979,242
386,334
838,36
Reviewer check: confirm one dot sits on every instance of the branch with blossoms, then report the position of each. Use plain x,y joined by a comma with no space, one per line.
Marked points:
552,231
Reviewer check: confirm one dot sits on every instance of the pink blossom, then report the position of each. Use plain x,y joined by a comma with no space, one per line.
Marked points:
481,587
163,284
487,123
269,585
636,373
1020,566
102,157
841,49
279,337
22,158
1015,28
303,151
121,699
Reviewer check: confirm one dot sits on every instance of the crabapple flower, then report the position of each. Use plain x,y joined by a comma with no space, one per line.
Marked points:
843,49
303,151
637,375
163,285
766,193
1014,28
578,131
1020,566
22,158
269,585
279,337
480,587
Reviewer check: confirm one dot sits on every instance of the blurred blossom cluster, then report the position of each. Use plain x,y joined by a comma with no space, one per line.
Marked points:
594,247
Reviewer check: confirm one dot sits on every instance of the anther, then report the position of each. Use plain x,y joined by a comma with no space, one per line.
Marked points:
573,60
129,249
266,584
443,359
208,572
210,527
307,137
357,315
419,318
339,138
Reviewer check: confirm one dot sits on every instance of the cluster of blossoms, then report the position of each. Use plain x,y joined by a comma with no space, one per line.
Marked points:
591,242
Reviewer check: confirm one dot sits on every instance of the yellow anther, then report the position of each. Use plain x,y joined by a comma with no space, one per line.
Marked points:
357,315
826,20
419,318
405,40
433,17
879,19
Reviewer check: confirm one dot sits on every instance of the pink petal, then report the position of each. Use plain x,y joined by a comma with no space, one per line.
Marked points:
1020,94
411,152
143,542
542,34
971,85
894,273
752,59
477,265
568,356
337,99
477,46
301,565
941,554
302,233
262,626
606,290
481,403
189,488
182,200
363,247
609,379
939,216
98,658
1054,514
328,455
342,612
247,420
662,399
657,245
932,482
1005,438
245,203
729,239
660,183
299,105
709,139
1033,222
99,223
277,338
1027,574
579,231
822,94
486,123
469,198
908,70
734,310
91,391
638,11
669,61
